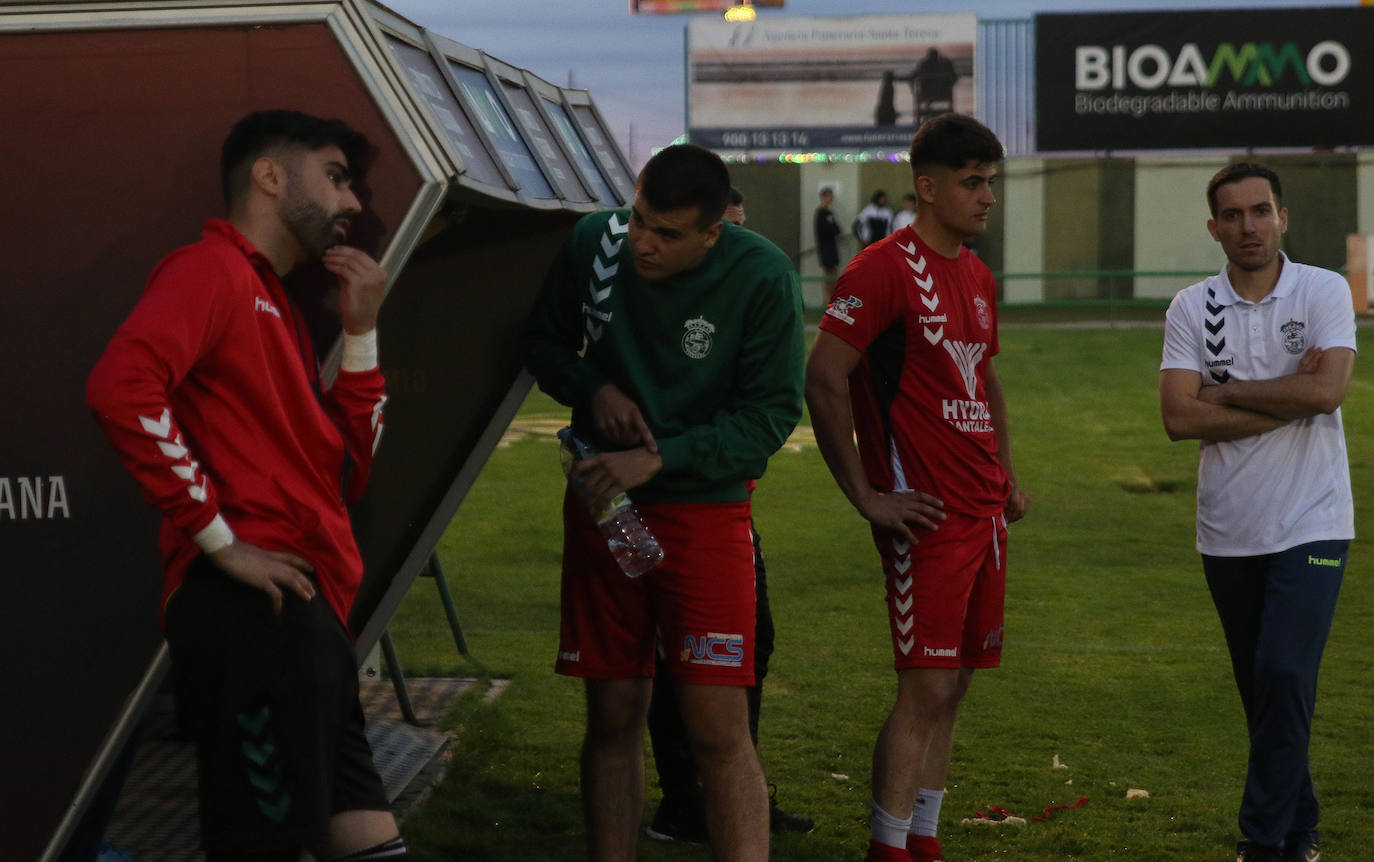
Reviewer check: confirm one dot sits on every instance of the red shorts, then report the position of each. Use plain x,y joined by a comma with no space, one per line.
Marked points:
944,595
698,602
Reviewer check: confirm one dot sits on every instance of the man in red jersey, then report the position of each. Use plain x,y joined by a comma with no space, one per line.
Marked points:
904,358
210,392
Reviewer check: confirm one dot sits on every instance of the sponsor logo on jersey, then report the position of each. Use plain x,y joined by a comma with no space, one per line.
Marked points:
713,648
931,652
37,498
1294,336
260,304
696,341
980,307
993,640
1218,363
966,356
840,308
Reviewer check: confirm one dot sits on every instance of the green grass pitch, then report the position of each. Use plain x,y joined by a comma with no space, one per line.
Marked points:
1114,660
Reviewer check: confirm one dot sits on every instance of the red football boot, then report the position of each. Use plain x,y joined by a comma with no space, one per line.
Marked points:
923,848
880,852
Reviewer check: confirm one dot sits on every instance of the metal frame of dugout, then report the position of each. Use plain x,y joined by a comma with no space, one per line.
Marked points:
113,114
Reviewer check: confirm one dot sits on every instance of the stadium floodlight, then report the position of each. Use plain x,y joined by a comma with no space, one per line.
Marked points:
743,12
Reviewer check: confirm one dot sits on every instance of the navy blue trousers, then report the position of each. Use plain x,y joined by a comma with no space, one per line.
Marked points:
1276,611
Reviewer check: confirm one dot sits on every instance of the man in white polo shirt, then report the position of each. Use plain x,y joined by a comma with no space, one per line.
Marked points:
1257,360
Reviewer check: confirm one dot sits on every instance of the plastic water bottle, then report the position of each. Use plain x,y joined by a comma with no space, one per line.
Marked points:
635,549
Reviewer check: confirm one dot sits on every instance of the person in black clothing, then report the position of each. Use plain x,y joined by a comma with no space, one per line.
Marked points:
827,234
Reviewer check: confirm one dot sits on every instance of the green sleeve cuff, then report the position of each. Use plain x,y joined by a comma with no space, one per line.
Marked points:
676,453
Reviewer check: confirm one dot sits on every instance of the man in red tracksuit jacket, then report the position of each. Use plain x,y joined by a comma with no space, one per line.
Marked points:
210,392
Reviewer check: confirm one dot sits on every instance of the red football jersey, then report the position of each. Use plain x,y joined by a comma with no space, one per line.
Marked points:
927,327
210,393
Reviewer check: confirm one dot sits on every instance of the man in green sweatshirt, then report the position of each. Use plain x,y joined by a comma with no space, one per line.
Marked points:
677,341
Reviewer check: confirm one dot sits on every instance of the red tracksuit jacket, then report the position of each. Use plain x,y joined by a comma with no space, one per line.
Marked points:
209,392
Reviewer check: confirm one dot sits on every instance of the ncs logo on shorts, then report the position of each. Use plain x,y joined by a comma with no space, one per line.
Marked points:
713,648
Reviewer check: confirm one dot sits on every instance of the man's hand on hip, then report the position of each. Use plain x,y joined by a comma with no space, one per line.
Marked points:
896,511
269,571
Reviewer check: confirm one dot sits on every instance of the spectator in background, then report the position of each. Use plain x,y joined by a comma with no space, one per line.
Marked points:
874,221
827,231
906,215
734,207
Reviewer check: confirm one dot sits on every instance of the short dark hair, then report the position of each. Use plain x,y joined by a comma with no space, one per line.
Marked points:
1234,173
877,196
264,132
954,140
684,176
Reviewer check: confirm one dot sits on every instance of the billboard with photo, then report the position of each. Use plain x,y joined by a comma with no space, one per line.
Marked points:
1196,80
854,83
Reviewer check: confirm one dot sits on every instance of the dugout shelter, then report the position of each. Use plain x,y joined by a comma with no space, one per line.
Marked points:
111,118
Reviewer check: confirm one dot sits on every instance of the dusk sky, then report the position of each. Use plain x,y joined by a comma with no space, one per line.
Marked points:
634,64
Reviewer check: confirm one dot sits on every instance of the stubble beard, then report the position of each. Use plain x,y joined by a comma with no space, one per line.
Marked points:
308,223
1256,264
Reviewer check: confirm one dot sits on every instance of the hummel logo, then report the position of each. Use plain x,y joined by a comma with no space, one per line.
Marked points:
161,426
260,304
603,271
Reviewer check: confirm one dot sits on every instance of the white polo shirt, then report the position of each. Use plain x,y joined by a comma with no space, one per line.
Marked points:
1289,486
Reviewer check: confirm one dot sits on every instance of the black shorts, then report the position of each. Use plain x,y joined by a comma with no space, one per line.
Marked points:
272,704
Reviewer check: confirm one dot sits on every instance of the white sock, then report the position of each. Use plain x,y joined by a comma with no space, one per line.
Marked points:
888,829
925,817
